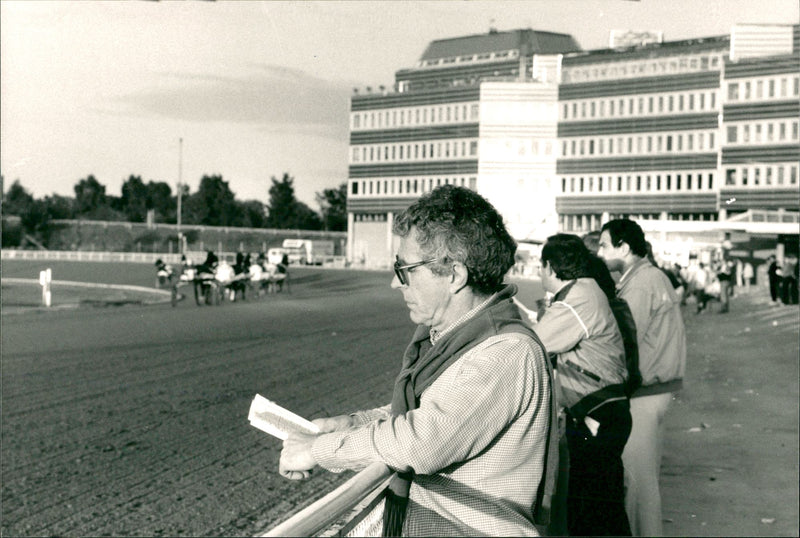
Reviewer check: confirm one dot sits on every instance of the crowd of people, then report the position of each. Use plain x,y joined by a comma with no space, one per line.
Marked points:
510,420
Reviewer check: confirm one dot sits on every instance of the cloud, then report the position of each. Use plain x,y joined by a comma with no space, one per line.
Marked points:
270,98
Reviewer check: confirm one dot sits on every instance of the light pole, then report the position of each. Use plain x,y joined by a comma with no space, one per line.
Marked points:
180,193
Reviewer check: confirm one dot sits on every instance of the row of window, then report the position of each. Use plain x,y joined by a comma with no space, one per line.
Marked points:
409,186
763,132
761,176
414,116
649,67
469,58
369,217
764,88
650,182
590,222
645,144
418,151
650,105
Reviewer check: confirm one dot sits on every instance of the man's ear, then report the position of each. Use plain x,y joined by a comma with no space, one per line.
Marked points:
625,248
459,277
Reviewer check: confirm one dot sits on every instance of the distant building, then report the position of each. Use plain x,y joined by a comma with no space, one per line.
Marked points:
560,139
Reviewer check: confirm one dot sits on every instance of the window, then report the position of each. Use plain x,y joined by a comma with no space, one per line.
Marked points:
733,91
713,100
771,88
760,89
793,176
669,143
670,103
780,175
768,175
744,177
354,187
746,91
757,176
473,148
745,133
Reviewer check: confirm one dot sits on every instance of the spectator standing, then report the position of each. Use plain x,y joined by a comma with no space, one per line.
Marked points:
724,269
662,361
700,283
472,414
748,274
789,280
774,278
580,329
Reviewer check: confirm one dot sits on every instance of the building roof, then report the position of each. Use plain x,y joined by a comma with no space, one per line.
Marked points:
527,41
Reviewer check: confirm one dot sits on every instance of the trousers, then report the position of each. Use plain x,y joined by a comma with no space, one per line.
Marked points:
595,492
642,461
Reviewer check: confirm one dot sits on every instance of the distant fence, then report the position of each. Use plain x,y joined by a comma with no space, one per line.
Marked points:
133,257
114,236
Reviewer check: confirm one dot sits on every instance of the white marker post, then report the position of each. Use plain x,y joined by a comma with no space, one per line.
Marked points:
45,277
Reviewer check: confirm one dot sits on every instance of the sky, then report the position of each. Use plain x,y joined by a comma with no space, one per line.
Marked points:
253,89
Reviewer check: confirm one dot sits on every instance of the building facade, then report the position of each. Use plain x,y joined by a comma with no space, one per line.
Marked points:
560,139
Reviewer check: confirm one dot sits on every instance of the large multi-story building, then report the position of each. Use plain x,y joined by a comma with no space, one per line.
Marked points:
560,139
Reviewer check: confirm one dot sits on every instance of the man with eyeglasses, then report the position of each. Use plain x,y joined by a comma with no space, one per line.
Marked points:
470,426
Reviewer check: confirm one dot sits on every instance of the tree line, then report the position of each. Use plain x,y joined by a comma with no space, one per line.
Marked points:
213,204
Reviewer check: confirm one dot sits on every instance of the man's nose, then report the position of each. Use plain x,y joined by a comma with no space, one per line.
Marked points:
395,284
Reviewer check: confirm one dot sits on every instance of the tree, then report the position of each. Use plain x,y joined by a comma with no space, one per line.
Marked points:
281,210
252,214
213,204
333,208
306,218
90,196
159,197
17,201
285,211
134,199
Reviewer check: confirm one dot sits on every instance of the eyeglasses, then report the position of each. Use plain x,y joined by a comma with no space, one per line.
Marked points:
402,270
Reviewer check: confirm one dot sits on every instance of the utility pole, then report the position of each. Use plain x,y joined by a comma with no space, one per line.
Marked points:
180,193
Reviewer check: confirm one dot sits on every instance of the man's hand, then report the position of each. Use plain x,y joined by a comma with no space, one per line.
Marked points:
296,459
334,424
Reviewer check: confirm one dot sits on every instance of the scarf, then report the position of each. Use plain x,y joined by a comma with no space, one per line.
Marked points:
423,363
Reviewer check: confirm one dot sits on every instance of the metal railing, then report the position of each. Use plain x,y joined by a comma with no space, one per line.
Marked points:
353,509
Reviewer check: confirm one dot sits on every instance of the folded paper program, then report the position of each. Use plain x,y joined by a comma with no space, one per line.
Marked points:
275,420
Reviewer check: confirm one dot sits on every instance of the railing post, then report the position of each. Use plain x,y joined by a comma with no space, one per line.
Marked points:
45,277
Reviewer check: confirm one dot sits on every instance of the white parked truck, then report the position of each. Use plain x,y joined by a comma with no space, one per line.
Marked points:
308,251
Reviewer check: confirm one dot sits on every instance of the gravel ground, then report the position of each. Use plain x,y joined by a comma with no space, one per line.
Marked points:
132,420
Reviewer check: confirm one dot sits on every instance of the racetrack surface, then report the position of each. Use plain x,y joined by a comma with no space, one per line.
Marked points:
132,420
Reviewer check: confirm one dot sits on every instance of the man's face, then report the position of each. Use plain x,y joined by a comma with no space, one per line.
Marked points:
546,275
613,256
426,294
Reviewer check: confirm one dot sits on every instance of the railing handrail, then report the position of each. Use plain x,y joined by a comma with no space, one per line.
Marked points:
325,511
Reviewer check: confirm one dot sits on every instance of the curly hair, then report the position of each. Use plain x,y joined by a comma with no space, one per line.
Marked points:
627,231
457,224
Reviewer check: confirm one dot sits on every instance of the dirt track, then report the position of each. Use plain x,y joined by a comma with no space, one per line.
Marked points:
132,420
